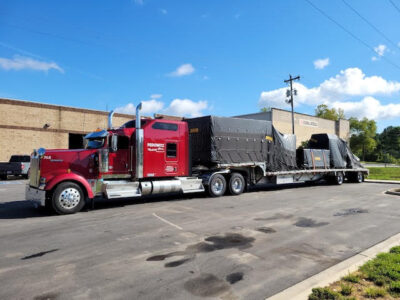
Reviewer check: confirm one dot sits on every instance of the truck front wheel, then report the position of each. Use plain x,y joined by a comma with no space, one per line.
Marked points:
68,198
236,184
217,186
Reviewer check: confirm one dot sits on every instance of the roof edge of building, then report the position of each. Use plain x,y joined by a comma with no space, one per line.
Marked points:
57,107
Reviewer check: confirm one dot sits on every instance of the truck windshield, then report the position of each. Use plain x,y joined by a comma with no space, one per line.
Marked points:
94,143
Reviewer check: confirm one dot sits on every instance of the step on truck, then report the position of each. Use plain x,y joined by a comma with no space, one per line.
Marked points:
157,156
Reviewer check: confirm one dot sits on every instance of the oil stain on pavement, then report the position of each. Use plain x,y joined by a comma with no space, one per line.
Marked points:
210,244
306,222
234,277
266,229
206,285
350,212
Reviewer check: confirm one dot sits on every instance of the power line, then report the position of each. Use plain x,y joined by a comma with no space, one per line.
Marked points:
370,24
351,34
395,6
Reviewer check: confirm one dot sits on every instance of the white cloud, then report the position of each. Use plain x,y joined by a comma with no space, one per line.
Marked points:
186,107
380,50
149,107
156,96
374,58
183,70
369,107
178,107
338,90
22,62
321,63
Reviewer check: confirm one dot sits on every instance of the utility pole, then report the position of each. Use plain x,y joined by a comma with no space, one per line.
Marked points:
290,93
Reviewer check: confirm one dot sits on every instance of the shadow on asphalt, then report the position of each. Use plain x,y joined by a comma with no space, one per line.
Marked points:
26,209
21,210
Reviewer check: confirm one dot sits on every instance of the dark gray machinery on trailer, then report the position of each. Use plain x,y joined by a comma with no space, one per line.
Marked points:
232,153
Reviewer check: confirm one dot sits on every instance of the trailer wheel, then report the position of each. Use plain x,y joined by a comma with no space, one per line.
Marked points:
339,178
236,184
68,198
358,177
3,177
217,186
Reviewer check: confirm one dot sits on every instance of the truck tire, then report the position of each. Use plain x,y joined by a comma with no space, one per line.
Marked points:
236,184
357,177
338,178
3,177
68,198
217,186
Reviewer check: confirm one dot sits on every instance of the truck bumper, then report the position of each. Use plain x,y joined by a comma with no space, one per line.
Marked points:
35,195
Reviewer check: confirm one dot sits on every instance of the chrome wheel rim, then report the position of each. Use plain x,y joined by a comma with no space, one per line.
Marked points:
360,177
340,178
69,198
237,185
217,186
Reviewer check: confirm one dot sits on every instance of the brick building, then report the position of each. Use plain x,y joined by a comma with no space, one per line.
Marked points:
25,126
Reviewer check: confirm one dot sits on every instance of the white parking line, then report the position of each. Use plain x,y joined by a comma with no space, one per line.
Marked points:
168,222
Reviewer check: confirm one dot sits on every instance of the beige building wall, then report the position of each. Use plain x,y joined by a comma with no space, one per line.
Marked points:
22,125
306,125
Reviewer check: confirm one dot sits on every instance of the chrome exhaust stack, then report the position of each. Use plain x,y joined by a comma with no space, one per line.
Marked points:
139,143
110,117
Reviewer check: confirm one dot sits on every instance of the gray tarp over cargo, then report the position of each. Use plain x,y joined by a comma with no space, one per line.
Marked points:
219,140
341,155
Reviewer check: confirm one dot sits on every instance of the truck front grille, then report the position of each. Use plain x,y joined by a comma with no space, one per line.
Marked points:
34,172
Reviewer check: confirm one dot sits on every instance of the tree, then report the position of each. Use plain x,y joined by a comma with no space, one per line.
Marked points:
363,134
389,144
265,109
323,111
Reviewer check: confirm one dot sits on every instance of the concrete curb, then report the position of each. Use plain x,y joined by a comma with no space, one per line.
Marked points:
302,289
382,181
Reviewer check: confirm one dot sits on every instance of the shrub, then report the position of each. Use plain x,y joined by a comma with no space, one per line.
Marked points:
324,294
346,289
373,292
352,278
395,250
394,288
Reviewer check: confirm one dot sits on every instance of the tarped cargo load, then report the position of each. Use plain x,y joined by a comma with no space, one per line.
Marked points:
219,140
341,155
313,158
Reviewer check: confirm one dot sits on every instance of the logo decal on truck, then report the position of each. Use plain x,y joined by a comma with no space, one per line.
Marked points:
156,147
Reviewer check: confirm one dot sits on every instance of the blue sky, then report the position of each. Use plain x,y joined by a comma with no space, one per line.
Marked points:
202,57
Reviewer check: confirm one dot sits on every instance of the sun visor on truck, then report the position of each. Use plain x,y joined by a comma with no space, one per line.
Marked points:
220,140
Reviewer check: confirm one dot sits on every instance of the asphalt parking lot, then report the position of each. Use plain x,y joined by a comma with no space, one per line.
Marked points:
245,247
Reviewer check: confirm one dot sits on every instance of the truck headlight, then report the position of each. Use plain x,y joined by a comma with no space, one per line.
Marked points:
42,180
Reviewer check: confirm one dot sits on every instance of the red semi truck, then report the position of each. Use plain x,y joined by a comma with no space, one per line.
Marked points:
144,157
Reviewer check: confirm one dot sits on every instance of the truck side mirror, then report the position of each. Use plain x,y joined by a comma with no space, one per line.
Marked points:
114,143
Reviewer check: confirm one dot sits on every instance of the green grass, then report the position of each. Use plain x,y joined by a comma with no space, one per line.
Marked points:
373,292
377,278
346,289
384,173
351,278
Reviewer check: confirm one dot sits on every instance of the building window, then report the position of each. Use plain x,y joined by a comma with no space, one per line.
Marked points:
171,150
165,126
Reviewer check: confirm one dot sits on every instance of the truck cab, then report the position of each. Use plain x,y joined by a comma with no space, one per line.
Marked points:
142,157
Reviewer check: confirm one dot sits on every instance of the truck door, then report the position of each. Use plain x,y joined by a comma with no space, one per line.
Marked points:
162,151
